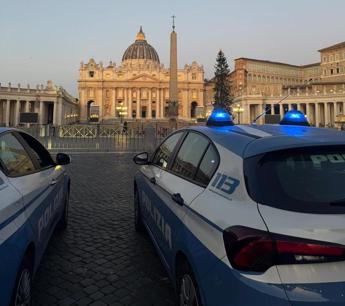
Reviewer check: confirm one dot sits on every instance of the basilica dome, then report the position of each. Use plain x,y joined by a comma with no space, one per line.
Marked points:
140,50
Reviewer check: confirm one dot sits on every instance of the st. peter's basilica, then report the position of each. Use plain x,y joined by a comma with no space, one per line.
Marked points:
140,85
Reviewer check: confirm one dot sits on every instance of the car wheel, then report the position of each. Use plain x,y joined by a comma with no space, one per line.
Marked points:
187,287
63,222
22,289
138,222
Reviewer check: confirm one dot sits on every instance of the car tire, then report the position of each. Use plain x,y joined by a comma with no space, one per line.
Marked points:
22,293
138,222
187,287
63,222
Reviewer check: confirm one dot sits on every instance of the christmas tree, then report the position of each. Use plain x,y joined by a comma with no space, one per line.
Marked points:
222,97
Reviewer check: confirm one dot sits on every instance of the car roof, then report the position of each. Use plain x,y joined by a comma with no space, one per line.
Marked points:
4,129
251,140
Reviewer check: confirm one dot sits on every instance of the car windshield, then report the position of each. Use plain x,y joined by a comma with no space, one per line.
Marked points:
304,179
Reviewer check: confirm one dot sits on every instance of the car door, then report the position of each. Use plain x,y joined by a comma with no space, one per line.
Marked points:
11,206
178,186
32,173
150,191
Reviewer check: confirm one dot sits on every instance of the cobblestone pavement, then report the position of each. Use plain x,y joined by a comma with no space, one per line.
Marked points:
100,259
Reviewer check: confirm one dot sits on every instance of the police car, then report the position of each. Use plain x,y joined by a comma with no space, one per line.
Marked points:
34,193
248,214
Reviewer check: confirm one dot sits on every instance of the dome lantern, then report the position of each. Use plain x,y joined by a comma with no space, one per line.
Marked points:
141,34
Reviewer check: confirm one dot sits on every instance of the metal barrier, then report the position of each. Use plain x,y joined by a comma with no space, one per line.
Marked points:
102,137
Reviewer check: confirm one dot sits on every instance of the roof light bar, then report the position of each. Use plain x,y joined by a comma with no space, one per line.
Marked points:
219,117
294,117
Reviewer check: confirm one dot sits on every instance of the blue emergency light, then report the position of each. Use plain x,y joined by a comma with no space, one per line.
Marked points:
294,117
219,117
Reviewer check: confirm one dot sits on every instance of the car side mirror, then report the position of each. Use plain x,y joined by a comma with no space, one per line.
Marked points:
63,159
141,158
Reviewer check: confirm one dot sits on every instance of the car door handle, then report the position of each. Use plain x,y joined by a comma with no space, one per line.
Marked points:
153,180
177,198
53,182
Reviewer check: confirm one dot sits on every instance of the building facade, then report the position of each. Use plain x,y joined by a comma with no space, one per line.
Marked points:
140,85
52,104
317,89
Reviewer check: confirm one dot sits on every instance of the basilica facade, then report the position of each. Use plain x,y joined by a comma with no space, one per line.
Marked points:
138,88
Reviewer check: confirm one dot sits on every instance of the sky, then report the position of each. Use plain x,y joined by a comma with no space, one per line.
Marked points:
44,40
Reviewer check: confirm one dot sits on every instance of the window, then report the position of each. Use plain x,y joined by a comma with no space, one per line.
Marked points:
189,155
164,152
14,157
300,179
42,156
207,166
331,71
91,74
193,76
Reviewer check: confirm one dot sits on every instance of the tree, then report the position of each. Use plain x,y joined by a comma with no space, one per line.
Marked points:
222,97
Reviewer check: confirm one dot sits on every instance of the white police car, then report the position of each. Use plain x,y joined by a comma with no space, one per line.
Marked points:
34,193
248,215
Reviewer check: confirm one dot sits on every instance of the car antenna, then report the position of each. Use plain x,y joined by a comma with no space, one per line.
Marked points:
269,108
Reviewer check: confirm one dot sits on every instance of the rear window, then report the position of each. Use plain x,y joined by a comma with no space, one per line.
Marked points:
305,179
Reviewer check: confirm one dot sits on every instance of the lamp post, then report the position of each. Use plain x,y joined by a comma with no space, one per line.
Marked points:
122,110
238,109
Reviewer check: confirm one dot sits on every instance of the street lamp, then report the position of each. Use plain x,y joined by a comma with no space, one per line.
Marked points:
238,109
122,110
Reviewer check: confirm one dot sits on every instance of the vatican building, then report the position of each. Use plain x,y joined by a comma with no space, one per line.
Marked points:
317,89
138,88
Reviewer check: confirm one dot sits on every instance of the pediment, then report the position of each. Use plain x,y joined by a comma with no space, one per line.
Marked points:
144,78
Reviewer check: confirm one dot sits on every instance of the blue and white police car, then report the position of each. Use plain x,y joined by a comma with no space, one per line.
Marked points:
34,193
248,215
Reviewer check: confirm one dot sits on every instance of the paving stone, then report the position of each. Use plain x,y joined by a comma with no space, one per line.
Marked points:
99,258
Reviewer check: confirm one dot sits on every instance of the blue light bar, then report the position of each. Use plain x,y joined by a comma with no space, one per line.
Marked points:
294,117
219,117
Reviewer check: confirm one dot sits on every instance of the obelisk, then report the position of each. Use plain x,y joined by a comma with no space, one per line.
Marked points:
173,91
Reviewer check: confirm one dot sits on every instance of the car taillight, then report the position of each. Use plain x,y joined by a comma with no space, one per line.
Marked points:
256,250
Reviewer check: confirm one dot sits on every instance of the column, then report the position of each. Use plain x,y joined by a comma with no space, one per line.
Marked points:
327,121
55,113
162,102
158,99
129,107
281,110
7,118
41,112
59,111
113,104
149,115
317,115
307,110
272,109
17,113
27,106
83,107
138,103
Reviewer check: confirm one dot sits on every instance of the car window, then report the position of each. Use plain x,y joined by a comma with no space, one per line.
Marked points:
189,155
165,150
207,166
14,157
300,179
42,156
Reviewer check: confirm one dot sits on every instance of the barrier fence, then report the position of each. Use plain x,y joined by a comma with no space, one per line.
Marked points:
101,138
